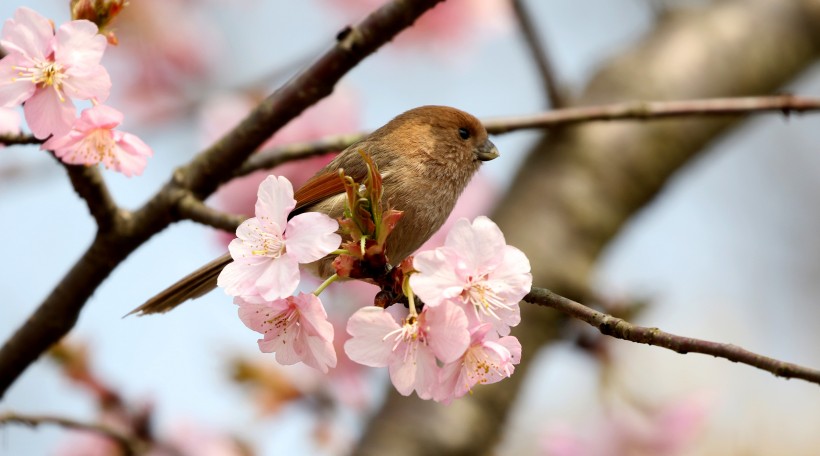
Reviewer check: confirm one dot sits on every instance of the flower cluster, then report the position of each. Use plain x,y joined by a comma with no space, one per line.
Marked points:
265,273
45,70
461,298
471,288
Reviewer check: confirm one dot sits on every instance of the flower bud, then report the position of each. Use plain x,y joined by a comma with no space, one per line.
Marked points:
100,12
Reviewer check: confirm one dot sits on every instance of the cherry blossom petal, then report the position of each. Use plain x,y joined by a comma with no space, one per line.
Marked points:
100,116
275,201
438,279
46,114
88,83
258,314
445,327
313,316
284,346
512,279
311,236
513,346
478,242
279,278
78,44
67,149
317,352
413,367
247,234
28,33
133,154
368,328
13,91
239,277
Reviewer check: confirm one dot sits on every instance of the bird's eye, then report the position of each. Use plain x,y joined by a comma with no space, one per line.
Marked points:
464,133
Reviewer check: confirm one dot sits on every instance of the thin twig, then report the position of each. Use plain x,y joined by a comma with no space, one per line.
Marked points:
276,156
621,329
20,138
652,110
128,444
194,209
539,54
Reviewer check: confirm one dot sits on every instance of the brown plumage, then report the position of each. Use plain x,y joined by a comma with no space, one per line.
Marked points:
426,157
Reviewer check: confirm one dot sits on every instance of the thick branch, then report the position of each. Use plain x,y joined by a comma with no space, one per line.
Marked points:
128,444
90,186
616,327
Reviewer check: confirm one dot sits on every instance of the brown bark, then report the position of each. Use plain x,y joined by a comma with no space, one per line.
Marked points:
581,184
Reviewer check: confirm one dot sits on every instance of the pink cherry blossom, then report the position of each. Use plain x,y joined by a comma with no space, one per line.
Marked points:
93,140
488,359
295,328
46,70
408,344
477,270
269,247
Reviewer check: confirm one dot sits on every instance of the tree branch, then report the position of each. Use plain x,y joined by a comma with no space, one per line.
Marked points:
128,444
193,209
539,54
90,186
621,329
655,110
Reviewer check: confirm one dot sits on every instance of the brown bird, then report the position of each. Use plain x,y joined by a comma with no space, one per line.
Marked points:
426,157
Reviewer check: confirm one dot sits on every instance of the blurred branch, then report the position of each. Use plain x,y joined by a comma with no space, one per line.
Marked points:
20,138
621,329
59,311
539,54
196,210
129,445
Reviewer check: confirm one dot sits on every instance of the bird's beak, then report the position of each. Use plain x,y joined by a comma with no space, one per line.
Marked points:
486,151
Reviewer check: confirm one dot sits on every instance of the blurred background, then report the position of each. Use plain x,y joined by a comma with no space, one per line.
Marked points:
704,228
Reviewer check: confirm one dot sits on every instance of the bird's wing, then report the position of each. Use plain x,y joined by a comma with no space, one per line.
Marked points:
322,186
318,188
194,285
327,183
